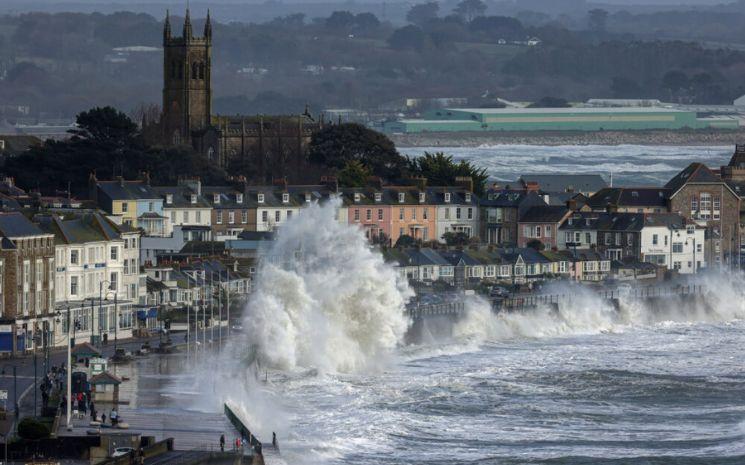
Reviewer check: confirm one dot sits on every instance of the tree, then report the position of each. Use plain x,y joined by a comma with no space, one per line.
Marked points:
105,125
334,146
422,13
550,102
498,27
354,174
408,38
366,22
406,241
536,244
470,9
441,170
455,238
340,22
597,20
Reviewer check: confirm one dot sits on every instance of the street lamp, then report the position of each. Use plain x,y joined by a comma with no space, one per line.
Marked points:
100,304
116,317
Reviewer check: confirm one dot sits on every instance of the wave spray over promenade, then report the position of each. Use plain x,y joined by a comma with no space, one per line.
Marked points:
323,364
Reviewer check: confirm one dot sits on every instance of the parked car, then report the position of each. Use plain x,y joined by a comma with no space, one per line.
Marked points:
121,451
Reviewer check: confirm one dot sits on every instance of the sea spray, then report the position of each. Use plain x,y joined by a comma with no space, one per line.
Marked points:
324,299
583,311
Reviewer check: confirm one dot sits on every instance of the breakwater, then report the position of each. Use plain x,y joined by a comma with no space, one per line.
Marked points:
556,138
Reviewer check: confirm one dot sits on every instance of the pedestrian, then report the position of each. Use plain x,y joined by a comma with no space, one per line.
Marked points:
237,443
82,408
114,417
92,406
222,443
103,418
93,415
274,439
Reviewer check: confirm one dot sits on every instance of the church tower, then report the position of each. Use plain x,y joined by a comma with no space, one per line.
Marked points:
187,92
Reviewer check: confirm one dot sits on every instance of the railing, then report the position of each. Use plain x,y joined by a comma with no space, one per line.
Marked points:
525,301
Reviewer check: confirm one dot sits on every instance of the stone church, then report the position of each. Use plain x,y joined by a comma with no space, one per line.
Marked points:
260,147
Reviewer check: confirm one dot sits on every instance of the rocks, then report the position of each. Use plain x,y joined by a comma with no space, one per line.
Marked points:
475,139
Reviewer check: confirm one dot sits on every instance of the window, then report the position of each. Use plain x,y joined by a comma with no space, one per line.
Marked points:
717,202
74,257
285,198
289,214
425,213
126,266
186,217
115,253
74,285
694,203
457,213
238,198
193,198
114,278
548,231
368,215
150,206
277,215
422,197
125,207
447,213
413,213
378,196
401,214
677,247
260,198
231,217
172,214
655,239
356,196
198,215
470,213
588,238
569,236
677,265
699,248
264,216
380,214
447,197
356,215
218,217
630,239
244,216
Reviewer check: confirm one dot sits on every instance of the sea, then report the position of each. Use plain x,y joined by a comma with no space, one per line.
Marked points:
321,359
624,165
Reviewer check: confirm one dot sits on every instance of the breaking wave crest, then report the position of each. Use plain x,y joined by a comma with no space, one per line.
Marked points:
584,312
324,299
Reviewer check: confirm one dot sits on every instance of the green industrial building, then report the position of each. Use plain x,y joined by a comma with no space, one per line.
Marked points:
555,119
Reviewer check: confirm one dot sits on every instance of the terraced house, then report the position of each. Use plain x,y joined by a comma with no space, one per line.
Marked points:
27,274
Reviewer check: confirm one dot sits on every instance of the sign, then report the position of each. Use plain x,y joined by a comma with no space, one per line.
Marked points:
3,394
6,328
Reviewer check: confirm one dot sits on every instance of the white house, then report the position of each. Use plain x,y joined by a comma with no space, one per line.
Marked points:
183,205
90,277
670,240
275,206
457,211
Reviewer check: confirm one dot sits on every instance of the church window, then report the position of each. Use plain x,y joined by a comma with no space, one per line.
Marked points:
194,70
201,70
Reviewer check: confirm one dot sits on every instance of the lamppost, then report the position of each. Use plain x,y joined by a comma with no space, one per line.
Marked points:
100,305
74,325
116,316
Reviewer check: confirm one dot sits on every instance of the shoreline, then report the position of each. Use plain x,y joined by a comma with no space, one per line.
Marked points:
561,138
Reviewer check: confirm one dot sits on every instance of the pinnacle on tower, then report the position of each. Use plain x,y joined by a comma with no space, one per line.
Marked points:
187,26
167,28
208,27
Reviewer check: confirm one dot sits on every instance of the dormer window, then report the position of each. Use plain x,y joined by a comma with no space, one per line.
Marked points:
285,198
193,198
401,197
238,198
468,197
447,197
422,197
216,198
169,199
260,198
356,197
378,197
307,197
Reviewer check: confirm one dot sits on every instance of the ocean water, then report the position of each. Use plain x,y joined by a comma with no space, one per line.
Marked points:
630,165
323,363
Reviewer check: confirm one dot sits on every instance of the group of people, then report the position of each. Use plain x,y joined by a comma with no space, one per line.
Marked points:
242,442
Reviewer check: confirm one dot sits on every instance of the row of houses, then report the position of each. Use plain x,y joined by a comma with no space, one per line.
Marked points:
83,269
464,268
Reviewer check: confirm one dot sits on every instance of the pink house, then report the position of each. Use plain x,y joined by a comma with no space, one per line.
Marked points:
541,223
371,210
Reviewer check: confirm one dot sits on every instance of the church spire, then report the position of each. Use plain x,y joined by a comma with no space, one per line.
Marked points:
208,27
187,26
167,28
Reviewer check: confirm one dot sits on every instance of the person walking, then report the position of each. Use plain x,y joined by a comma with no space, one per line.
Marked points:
103,418
222,443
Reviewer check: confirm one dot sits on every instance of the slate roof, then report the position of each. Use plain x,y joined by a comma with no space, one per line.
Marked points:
670,220
544,214
510,198
622,222
586,255
85,349
105,378
580,221
529,255
128,190
629,197
694,173
181,197
738,158
389,196
88,227
738,187
14,224
554,183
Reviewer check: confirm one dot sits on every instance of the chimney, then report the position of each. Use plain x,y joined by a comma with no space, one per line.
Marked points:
194,184
572,204
420,182
375,182
465,182
281,182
